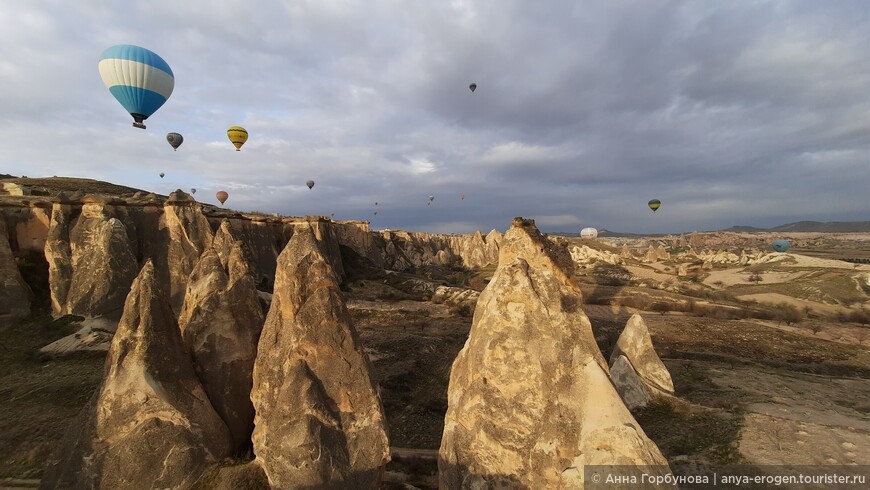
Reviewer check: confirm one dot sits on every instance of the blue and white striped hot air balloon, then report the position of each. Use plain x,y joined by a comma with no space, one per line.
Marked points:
139,78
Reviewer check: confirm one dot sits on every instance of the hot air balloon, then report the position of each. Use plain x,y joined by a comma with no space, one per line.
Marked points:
222,196
162,174
175,140
138,78
654,204
237,135
193,190
462,197
376,203
376,213
431,198
781,245
332,215
310,184
473,87
588,233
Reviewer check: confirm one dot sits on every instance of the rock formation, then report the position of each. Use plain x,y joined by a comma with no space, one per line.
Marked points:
585,256
189,234
15,294
91,260
530,402
635,344
628,383
150,423
455,296
625,253
220,323
319,421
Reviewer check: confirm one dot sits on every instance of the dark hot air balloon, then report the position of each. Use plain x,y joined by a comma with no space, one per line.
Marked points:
175,140
654,204
473,87
193,190
162,174
310,184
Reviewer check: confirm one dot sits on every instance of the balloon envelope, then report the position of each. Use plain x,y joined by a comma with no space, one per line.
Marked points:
473,87
193,191
431,198
588,233
237,135
162,174
175,140
781,245
138,78
310,184
462,197
222,196
654,204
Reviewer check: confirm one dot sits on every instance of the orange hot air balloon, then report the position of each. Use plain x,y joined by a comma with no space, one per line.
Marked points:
222,196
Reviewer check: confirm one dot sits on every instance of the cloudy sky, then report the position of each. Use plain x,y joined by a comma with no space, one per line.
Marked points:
731,113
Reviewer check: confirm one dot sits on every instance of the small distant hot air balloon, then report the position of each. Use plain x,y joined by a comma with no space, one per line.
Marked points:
193,190
175,140
332,215
162,174
237,135
138,78
473,87
588,233
376,213
654,204
462,197
376,203
310,184
222,196
781,245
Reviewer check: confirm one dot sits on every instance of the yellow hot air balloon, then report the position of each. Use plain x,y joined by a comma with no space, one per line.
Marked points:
237,135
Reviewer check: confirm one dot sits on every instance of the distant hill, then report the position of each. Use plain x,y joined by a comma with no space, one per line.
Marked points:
825,227
744,229
71,184
810,227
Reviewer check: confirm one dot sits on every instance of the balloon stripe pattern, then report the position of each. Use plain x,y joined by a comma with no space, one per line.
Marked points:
140,79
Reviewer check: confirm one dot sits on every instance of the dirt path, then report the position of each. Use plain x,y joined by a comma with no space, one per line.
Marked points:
798,418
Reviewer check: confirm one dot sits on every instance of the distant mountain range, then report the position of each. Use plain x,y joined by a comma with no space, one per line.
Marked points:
812,226
800,226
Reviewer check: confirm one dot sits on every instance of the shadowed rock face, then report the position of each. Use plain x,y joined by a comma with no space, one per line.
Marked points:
150,423
91,262
636,345
530,401
629,385
189,235
319,421
221,322
15,294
